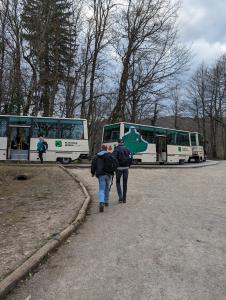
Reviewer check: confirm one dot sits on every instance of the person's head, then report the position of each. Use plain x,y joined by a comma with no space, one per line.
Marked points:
104,148
40,137
120,142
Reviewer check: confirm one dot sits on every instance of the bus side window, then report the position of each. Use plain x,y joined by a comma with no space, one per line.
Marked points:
183,139
171,138
115,135
48,130
107,136
148,136
73,130
3,128
111,135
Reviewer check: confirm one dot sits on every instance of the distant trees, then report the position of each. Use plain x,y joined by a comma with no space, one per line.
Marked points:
207,94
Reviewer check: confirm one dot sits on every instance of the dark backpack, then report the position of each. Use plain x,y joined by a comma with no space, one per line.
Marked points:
45,146
124,157
110,164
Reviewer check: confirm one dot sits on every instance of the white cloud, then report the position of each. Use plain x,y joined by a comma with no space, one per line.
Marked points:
206,51
202,26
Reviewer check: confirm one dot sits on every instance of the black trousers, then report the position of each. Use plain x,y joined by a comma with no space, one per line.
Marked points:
40,155
124,174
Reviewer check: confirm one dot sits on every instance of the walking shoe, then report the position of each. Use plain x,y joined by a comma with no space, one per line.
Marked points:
106,204
124,200
120,200
101,207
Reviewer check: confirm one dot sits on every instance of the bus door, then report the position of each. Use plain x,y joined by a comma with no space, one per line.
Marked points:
161,148
18,142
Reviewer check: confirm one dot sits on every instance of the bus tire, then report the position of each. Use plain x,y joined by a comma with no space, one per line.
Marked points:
181,161
197,160
65,160
135,162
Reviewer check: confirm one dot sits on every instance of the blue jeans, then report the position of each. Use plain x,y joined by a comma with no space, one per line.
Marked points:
124,174
104,182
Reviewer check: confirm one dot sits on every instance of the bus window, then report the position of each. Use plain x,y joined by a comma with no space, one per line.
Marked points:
3,128
70,129
171,137
193,139
111,135
183,139
201,142
47,128
148,136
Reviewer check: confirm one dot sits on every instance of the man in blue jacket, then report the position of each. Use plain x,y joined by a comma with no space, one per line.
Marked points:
124,157
100,168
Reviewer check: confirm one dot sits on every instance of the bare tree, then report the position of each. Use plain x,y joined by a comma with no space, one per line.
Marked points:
4,10
207,92
101,16
177,105
148,39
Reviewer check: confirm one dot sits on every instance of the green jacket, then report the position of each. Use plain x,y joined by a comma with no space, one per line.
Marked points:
41,147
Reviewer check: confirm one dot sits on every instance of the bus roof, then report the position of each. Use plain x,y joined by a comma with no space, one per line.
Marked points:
149,126
36,117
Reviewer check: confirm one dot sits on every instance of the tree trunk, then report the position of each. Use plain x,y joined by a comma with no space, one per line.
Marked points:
118,114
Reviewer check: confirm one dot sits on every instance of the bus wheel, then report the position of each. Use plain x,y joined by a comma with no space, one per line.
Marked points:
197,159
181,161
65,160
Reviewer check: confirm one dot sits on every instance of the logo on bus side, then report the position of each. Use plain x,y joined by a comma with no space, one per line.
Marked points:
58,144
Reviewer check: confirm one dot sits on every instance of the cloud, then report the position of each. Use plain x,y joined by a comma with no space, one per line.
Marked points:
206,51
202,26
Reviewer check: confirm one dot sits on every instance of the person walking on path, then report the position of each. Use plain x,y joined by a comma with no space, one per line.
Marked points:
103,166
124,157
42,146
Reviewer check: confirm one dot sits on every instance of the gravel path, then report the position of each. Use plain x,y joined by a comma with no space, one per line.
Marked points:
167,242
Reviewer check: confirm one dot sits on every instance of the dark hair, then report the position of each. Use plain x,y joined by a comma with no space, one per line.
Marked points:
120,141
40,135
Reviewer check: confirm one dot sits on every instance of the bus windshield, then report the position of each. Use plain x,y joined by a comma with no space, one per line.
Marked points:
111,134
193,139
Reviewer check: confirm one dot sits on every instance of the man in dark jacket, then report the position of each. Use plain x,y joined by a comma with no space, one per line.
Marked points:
124,157
97,168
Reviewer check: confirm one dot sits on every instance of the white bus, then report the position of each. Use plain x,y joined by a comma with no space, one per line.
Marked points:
151,144
67,138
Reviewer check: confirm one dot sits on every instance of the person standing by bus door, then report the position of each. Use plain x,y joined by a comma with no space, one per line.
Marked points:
42,146
124,157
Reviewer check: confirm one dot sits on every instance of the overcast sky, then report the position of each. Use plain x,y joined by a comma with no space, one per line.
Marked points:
203,28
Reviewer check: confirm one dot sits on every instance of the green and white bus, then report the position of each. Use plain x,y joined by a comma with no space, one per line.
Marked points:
67,138
151,144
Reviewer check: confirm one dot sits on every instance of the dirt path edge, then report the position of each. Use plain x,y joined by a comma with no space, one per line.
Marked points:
8,283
